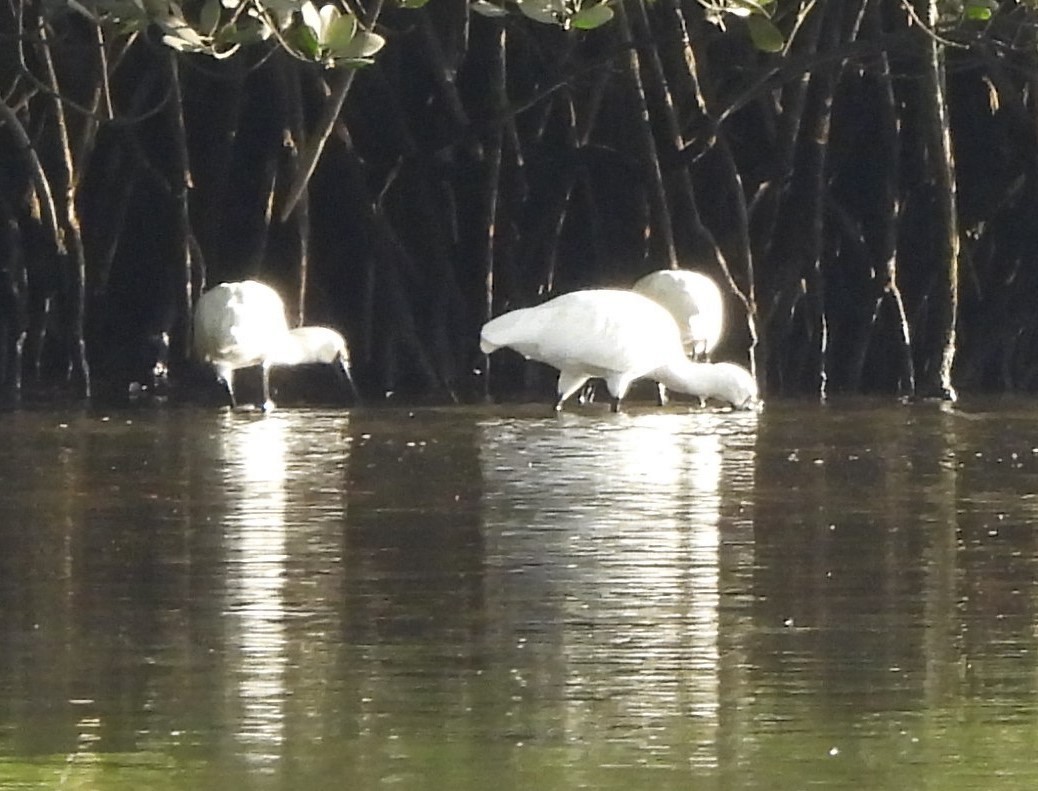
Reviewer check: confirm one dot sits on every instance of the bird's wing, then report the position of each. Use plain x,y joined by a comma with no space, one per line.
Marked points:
596,331
612,331
242,320
211,330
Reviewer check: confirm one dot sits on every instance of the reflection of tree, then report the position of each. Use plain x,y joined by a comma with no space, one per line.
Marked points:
835,535
39,515
414,610
886,576
735,594
91,578
413,535
995,615
166,580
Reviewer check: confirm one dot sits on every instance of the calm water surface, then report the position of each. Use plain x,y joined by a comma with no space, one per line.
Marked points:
463,598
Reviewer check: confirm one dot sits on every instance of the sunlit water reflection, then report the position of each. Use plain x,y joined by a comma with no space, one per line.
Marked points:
467,598
282,573
603,547
255,467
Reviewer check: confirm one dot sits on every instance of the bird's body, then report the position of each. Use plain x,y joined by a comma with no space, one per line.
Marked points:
616,335
235,326
695,302
243,324
313,345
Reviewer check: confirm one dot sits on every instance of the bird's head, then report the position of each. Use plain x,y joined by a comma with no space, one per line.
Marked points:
738,387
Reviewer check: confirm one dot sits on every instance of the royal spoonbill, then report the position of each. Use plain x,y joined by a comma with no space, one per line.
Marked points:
616,335
307,345
243,324
695,302
236,326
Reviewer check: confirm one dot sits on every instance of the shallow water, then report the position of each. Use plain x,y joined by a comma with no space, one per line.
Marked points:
466,598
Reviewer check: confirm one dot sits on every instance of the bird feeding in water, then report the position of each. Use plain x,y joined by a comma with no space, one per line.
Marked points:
236,326
310,345
695,302
242,324
618,336
697,305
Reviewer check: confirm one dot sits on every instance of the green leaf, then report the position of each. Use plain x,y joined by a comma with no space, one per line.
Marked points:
412,3
306,42
591,17
156,8
340,32
766,37
746,8
328,15
350,63
281,8
311,18
180,35
362,47
549,12
209,17
978,12
483,8
247,31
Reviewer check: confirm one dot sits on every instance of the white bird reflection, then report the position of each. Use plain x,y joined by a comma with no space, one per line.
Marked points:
255,455
604,553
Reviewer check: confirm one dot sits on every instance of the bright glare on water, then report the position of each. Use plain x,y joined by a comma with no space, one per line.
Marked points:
481,598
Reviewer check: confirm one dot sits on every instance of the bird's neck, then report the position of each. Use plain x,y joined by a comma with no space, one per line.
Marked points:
688,377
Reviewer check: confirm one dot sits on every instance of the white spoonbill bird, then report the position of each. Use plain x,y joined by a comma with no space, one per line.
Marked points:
616,335
237,325
308,345
695,302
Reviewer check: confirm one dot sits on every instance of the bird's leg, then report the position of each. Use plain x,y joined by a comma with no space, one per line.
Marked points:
569,383
268,404
228,383
661,394
615,407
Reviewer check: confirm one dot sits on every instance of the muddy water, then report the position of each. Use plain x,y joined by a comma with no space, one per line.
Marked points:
841,596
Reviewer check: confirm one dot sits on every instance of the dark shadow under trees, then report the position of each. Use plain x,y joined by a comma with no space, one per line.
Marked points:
487,163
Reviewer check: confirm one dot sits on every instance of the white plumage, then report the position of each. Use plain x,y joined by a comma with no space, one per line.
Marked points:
309,345
616,335
695,302
236,326
243,324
